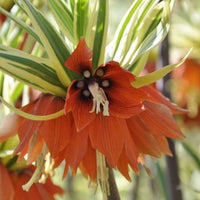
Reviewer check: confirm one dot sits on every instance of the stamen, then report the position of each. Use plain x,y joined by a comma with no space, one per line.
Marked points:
105,83
86,93
99,98
100,72
87,73
40,162
80,84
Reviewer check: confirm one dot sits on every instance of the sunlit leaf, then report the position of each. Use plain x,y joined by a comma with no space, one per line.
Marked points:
81,18
100,34
22,24
35,74
64,17
156,75
143,27
53,43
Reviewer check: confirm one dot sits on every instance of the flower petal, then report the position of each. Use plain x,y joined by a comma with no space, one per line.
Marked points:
77,148
88,165
130,148
122,165
56,132
107,136
80,59
28,127
80,107
120,86
156,96
143,137
160,120
7,189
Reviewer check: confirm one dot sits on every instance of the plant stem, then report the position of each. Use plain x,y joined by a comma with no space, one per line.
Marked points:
173,181
114,193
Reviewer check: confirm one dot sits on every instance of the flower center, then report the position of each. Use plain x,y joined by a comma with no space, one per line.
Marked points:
99,98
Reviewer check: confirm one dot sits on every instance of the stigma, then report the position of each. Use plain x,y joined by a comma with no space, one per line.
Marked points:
99,98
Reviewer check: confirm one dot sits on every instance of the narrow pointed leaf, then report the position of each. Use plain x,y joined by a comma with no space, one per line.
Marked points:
52,41
81,18
22,24
156,75
30,116
64,18
32,73
101,34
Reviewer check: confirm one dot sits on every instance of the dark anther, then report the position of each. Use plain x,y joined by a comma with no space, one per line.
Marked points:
80,84
86,93
100,72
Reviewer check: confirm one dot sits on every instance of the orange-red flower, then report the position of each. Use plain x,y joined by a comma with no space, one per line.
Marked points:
113,117
103,113
186,89
11,186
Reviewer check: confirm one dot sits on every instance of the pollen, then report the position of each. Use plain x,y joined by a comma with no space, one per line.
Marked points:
100,72
99,98
87,73
86,93
105,83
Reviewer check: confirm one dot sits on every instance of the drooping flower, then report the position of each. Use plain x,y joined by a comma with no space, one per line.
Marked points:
186,89
11,185
113,117
105,117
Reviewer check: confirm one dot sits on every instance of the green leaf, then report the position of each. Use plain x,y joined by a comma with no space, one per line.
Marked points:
156,75
138,66
22,24
144,26
55,46
81,18
64,18
35,74
100,34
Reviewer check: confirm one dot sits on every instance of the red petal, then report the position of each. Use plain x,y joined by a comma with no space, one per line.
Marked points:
111,68
56,132
130,148
122,165
107,136
156,96
80,59
143,137
88,165
37,191
163,145
34,150
6,186
124,100
77,148
160,121
80,107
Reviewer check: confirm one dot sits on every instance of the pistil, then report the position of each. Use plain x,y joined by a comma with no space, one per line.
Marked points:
99,98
